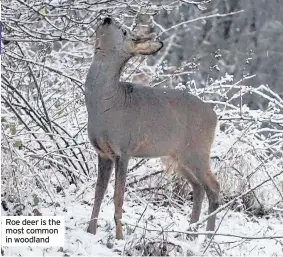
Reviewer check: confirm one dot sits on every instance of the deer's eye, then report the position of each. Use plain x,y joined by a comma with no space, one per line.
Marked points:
124,32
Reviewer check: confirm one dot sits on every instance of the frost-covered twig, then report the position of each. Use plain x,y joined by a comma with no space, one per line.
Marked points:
207,233
224,206
79,82
217,15
144,177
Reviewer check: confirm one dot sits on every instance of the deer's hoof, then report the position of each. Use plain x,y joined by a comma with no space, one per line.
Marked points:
119,235
91,229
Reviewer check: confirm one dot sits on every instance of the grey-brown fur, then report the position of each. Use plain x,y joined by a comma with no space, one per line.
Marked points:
127,120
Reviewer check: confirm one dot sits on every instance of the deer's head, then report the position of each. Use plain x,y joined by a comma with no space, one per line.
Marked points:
111,38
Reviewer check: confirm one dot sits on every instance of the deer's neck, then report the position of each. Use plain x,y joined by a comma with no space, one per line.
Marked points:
103,79
104,72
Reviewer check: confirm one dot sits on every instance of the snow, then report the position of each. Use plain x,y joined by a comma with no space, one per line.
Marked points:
247,150
142,212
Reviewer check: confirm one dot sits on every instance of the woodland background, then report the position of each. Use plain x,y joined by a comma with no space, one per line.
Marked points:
227,52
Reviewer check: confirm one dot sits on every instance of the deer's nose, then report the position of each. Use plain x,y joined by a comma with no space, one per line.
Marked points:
107,21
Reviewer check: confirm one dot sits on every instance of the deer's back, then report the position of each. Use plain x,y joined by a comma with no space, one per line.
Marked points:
152,121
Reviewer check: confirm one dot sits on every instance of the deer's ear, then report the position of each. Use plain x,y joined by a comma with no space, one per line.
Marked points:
147,47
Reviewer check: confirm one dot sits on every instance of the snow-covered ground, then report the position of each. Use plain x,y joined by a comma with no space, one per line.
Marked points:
247,149
144,220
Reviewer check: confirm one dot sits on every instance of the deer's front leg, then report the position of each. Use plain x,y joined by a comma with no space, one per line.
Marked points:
105,167
121,165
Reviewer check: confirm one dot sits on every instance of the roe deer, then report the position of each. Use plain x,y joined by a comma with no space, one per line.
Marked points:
127,120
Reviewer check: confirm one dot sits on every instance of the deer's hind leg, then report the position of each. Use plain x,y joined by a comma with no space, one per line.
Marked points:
212,189
198,191
196,168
